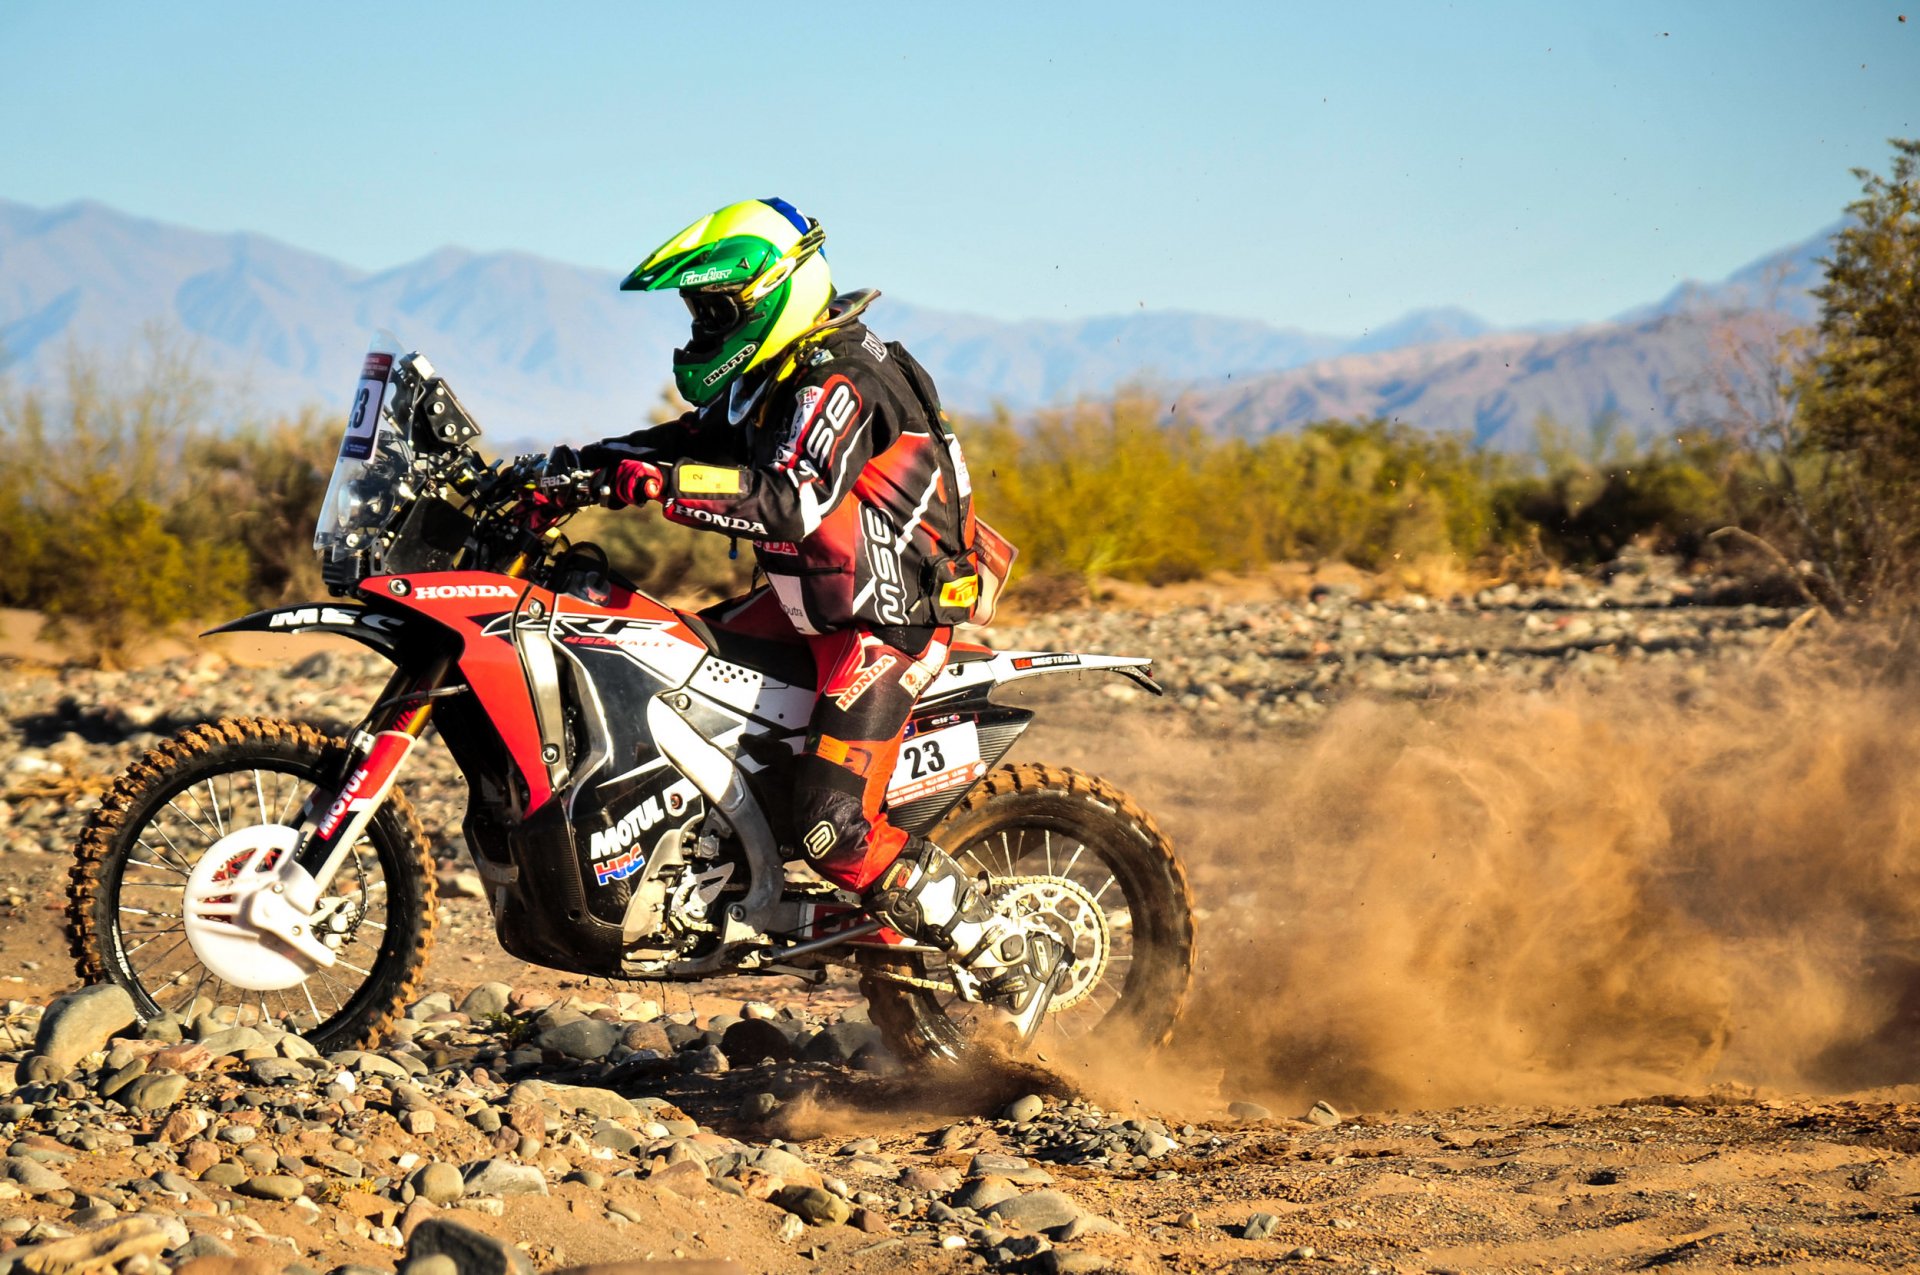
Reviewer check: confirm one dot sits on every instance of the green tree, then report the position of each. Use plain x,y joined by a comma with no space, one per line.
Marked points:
1861,400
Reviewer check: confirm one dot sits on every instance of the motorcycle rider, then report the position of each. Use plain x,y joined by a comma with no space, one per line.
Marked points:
824,446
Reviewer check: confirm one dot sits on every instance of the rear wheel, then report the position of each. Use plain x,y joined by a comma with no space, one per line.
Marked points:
1076,853
126,914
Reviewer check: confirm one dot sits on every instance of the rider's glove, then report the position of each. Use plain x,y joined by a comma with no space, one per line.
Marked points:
631,482
559,488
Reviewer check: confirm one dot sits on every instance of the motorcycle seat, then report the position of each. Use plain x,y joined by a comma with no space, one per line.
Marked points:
783,661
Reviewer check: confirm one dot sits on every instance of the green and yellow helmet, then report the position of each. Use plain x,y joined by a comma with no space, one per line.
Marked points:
754,279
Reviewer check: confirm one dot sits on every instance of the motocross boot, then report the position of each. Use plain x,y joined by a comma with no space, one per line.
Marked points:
929,898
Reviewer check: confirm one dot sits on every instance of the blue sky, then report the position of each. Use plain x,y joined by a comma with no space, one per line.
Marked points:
1327,166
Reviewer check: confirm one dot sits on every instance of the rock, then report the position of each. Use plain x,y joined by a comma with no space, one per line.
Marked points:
183,1124
1035,1211
201,1246
274,1071
1154,1145
1067,1261
31,1176
756,1107
228,1264
272,1186
430,1264
588,1039
814,1206
1324,1115
430,1004
438,1183
982,1194
368,1064
185,1057
839,1042
651,1036
755,1040
137,1237
154,1093
616,1137
1248,1111
1010,1167
1021,1110
705,1062
82,1022
1305,1253
226,1173
232,1040
923,1180
485,1001
865,1219
590,1099
791,1229
473,1252
38,1069
1260,1226
503,1177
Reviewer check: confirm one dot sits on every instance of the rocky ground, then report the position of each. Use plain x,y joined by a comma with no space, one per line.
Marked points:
519,1119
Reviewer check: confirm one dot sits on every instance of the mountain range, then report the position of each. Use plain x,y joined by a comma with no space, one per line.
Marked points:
542,350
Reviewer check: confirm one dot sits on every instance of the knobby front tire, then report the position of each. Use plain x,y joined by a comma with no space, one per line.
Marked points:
124,917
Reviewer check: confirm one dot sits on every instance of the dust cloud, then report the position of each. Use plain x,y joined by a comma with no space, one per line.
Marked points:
1563,895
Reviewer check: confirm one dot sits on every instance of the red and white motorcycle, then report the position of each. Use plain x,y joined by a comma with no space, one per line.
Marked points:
625,762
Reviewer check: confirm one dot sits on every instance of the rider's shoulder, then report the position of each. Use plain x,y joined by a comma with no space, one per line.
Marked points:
853,351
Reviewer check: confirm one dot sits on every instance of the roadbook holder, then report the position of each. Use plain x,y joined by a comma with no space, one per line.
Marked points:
964,581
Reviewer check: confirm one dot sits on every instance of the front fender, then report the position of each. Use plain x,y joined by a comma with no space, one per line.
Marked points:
382,630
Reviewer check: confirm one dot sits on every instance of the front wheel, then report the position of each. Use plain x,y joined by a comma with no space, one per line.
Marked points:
195,791
1076,853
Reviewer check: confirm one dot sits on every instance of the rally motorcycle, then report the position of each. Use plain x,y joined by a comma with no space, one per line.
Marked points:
626,766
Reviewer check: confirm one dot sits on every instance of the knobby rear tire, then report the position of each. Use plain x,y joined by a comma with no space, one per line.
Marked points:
923,1027
197,755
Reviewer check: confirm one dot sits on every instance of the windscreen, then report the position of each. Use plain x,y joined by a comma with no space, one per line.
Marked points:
373,456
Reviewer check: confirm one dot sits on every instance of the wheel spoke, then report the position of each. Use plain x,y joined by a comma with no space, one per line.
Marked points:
214,798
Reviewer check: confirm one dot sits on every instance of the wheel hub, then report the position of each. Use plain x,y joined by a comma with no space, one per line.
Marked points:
1069,912
223,903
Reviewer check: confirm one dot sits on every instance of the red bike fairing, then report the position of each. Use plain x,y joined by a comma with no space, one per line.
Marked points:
867,692
479,606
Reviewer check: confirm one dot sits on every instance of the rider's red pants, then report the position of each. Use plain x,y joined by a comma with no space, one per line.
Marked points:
867,692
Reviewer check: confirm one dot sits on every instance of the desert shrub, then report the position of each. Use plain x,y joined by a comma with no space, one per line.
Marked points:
1592,494
85,527
1105,489
260,489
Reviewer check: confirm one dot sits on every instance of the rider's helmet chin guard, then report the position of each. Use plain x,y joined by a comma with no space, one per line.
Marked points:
754,279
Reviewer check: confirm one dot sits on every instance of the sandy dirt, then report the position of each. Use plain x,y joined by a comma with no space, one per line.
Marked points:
1597,982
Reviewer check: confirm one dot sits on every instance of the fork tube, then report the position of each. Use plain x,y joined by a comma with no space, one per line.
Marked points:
337,815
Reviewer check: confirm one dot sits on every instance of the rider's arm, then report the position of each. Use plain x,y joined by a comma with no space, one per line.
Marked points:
682,438
829,440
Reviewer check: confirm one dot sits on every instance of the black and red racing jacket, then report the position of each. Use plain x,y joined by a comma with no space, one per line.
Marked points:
832,471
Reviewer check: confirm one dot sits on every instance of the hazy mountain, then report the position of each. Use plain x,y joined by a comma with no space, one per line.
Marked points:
1650,367
538,348
545,350
1649,374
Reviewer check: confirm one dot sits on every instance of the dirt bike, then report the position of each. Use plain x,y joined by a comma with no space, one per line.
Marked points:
626,767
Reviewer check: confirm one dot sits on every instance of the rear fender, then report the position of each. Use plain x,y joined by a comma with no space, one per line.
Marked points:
386,632
972,675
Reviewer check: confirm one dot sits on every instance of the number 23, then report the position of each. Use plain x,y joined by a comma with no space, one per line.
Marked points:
924,759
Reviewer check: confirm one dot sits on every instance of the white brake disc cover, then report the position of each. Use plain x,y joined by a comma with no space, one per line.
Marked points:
227,876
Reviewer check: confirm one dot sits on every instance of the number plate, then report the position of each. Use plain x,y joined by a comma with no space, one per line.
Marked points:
364,420
935,762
